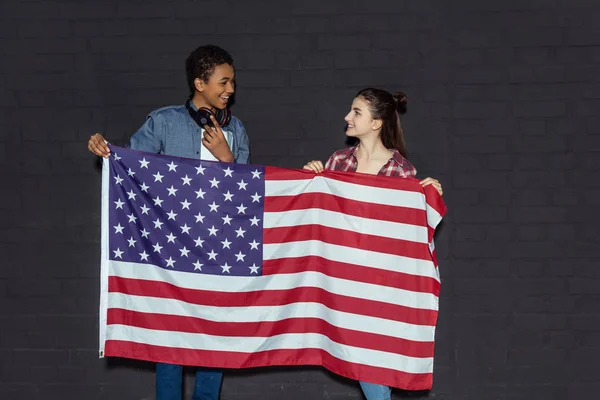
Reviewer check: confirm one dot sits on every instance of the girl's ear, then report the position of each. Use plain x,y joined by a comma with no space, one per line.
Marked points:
376,124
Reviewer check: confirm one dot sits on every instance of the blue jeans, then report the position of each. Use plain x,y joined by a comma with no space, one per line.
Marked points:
169,383
373,391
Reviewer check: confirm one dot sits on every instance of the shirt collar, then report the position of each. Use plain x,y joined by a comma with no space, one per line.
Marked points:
396,156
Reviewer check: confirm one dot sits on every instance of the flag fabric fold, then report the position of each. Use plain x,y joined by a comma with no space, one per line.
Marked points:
236,266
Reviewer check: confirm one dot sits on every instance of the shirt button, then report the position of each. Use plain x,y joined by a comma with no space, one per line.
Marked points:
197,152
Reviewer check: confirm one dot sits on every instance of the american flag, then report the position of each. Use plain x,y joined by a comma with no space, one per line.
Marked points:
236,266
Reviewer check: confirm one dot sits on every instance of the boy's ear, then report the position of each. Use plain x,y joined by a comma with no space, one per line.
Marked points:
199,84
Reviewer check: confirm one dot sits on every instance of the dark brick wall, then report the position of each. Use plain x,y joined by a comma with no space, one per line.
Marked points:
503,102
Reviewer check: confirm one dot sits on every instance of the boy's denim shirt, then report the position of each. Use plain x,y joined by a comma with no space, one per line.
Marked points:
171,131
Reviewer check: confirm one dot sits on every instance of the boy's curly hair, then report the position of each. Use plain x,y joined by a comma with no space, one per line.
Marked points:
201,63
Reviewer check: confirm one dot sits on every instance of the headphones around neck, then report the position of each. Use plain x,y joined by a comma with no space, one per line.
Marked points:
202,115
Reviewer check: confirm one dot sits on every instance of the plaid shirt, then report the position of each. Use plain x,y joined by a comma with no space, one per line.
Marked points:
345,160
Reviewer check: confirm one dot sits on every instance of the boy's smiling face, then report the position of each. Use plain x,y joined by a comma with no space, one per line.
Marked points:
220,86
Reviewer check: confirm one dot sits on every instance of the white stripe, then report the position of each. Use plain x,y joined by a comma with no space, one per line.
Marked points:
350,255
240,284
104,252
198,341
351,191
145,304
338,220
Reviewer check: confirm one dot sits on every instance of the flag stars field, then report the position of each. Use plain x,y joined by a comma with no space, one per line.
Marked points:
188,222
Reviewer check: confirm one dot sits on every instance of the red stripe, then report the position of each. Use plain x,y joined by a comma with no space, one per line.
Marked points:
285,174
229,359
378,181
386,182
273,298
324,201
376,276
361,241
266,329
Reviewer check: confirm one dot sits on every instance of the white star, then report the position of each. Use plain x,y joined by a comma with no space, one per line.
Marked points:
185,205
144,187
158,201
131,242
171,238
214,183
171,215
186,180
254,268
200,193
158,177
228,171
256,198
132,218
172,191
185,229
226,243
117,158
199,218
144,233
228,196
198,242
144,209
200,170
118,180
256,174
144,256
157,248
119,204
213,206
240,256
226,268
254,245
130,172
118,253
242,185
184,252
157,224
226,220
198,266
240,232
172,166
212,255
144,163
131,195
254,221
118,228
212,231
170,262
241,209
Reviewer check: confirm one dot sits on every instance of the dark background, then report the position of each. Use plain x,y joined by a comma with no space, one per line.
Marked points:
503,109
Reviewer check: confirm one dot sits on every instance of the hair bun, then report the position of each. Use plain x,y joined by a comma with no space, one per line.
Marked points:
401,101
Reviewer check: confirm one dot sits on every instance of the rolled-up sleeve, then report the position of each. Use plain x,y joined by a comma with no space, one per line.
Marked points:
149,137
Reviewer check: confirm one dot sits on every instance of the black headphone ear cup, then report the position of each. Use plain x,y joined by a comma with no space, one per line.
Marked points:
203,117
